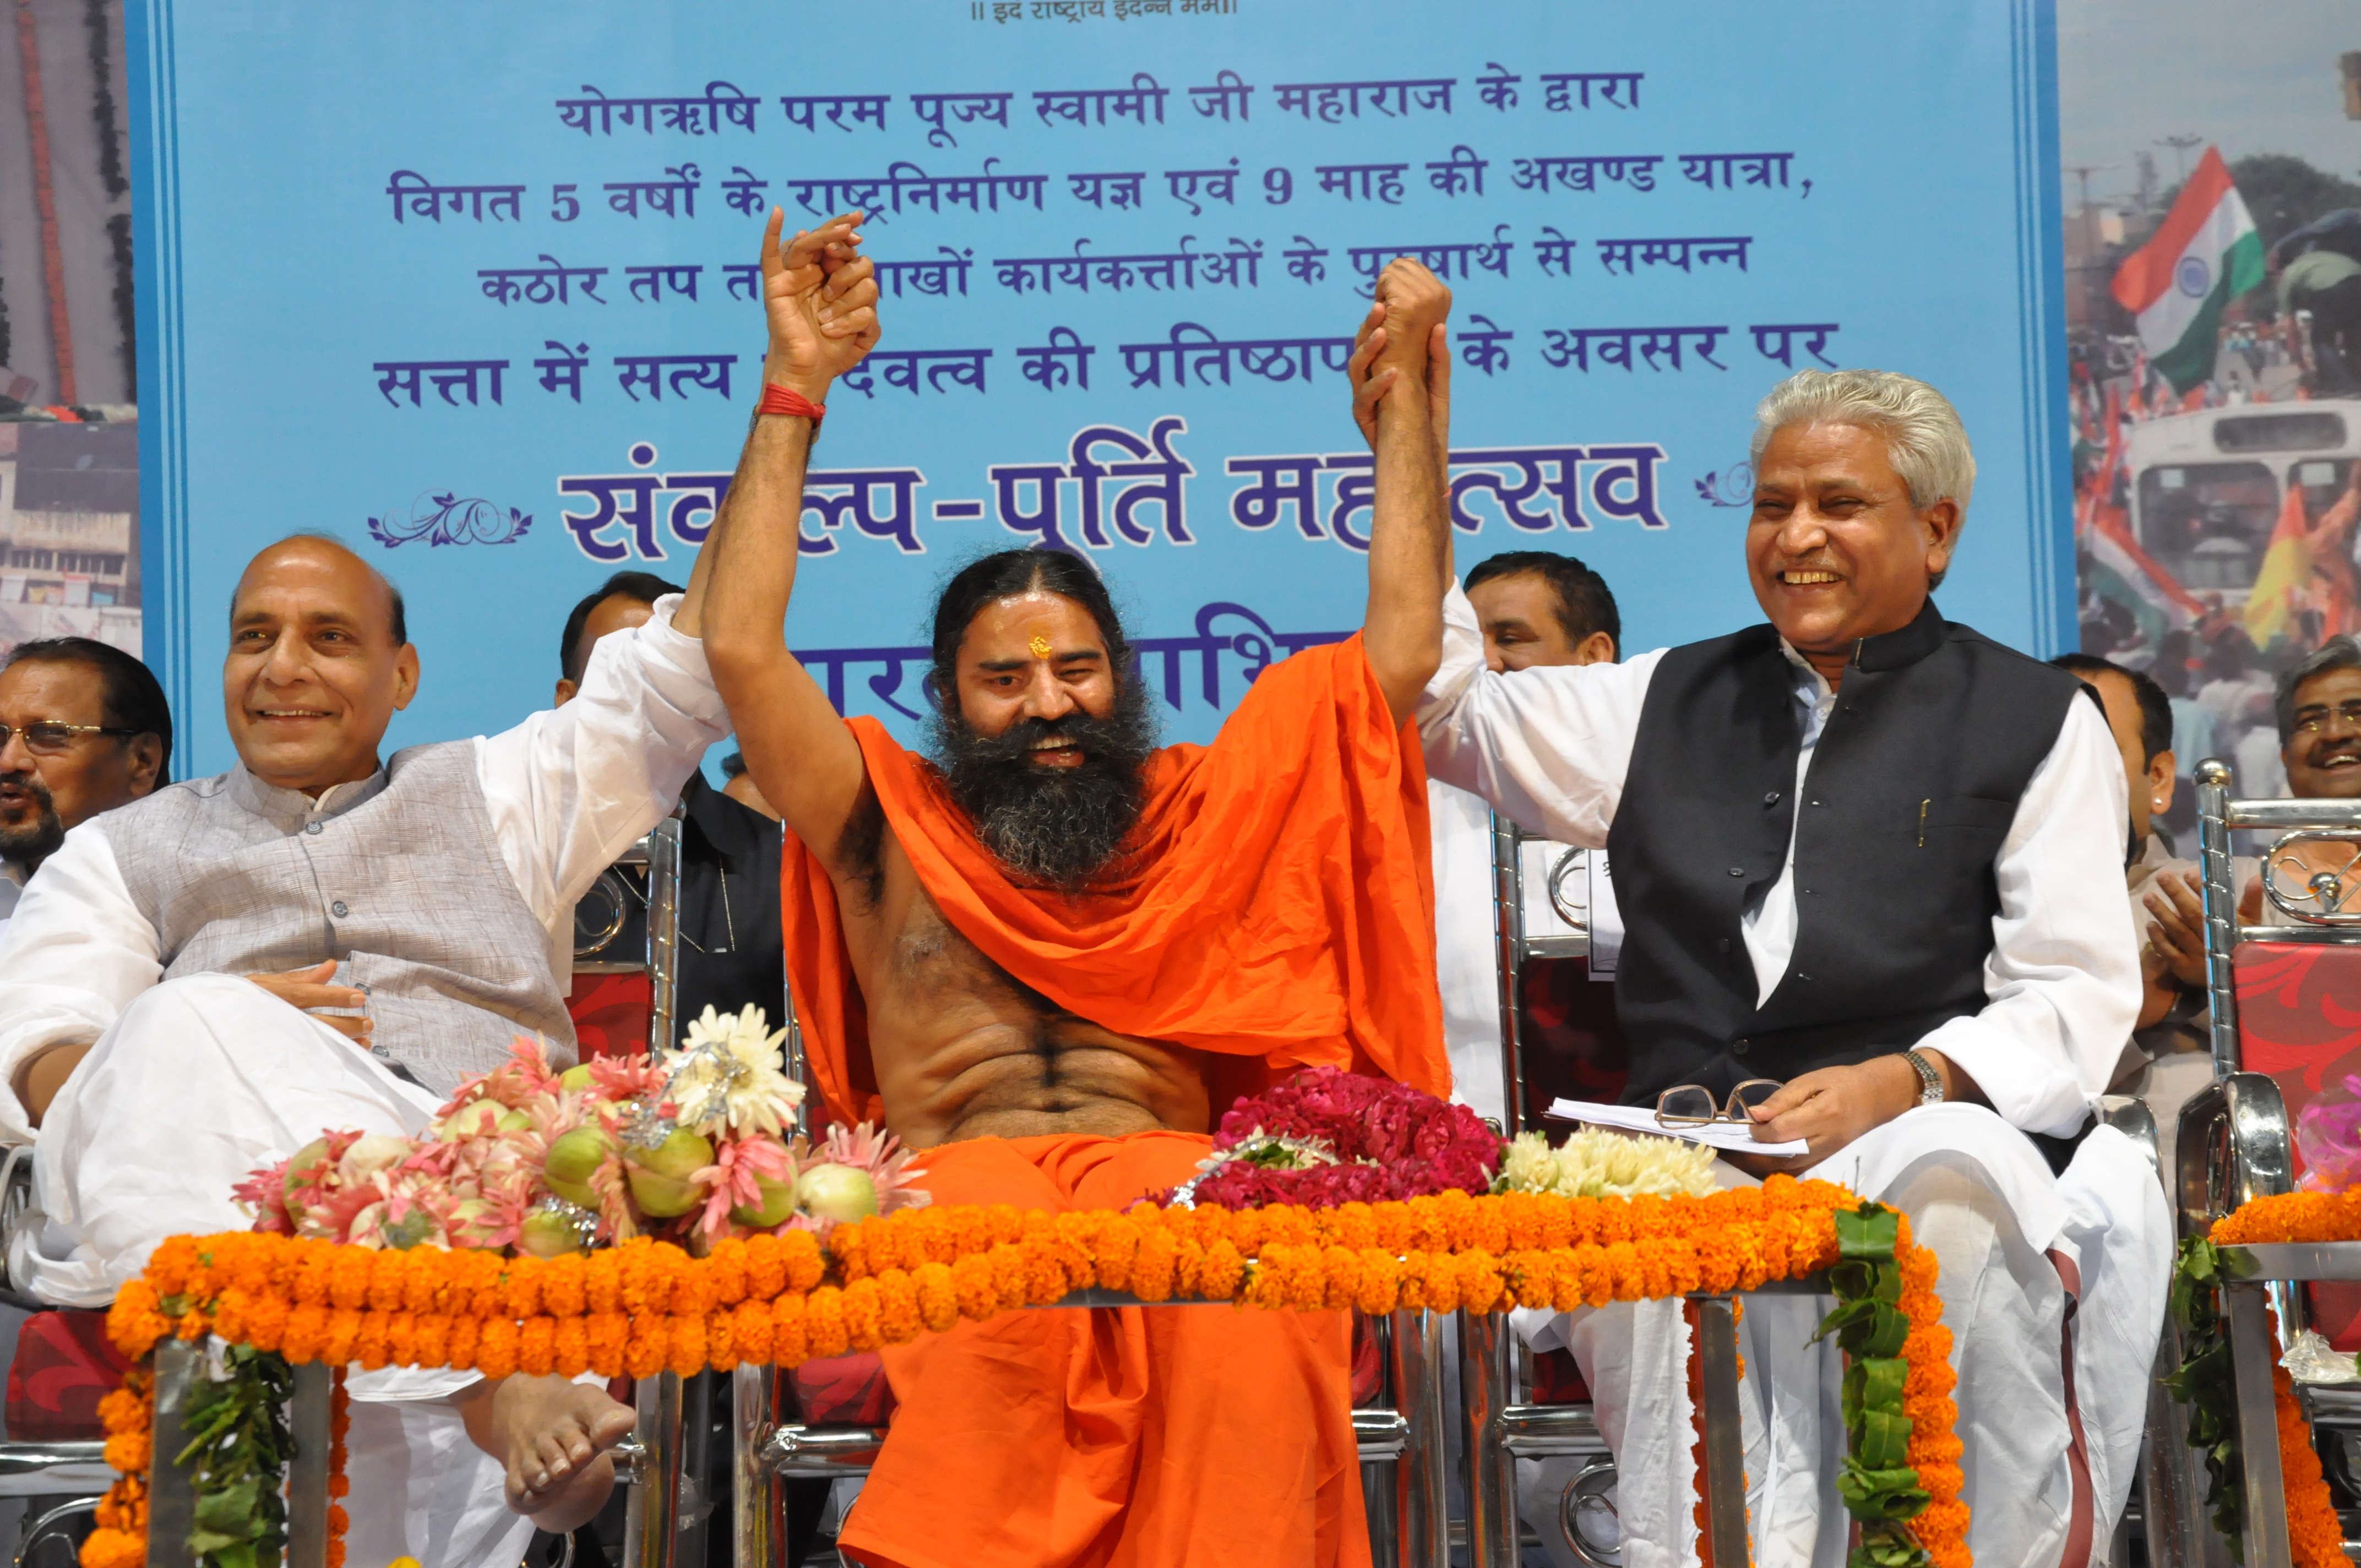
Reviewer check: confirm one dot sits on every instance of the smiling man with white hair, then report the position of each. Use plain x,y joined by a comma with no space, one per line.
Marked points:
1868,854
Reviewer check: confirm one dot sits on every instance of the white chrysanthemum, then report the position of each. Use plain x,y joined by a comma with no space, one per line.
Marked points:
726,1073
1596,1163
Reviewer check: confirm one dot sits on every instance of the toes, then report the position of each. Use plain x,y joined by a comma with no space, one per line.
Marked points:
612,1425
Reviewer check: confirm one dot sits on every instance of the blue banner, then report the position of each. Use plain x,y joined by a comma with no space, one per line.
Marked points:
473,287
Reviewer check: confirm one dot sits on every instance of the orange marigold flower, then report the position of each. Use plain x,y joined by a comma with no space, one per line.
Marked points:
725,1267
570,1348
602,1281
609,1336
537,1346
750,1331
496,1348
766,1266
648,1344
804,1264
368,1339
686,1335
790,1330
824,1321
466,1336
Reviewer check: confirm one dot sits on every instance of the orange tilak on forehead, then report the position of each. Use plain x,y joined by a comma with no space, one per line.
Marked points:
1038,647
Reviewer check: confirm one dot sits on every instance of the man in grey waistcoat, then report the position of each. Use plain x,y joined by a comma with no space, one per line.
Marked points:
204,981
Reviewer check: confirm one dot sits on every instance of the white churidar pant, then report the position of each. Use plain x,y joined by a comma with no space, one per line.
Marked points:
1981,1198
198,1082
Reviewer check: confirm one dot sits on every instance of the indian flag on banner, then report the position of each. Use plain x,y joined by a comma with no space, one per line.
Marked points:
2205,254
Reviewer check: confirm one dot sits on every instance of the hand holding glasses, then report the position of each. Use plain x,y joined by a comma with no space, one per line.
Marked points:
1690,1106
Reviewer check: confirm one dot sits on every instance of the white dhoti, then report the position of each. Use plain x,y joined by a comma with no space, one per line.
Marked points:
199,1082
1981,1198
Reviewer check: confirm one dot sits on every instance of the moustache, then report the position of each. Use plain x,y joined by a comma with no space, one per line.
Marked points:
1059,825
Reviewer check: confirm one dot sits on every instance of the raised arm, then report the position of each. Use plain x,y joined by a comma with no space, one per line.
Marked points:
820,299
1403,372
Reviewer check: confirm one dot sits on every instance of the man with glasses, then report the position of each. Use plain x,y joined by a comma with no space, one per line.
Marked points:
83,729
1864,852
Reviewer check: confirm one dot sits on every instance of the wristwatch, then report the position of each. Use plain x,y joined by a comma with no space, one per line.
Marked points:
1930,1082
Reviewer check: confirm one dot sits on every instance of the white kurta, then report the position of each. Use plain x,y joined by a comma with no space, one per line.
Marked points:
1551,747
197,1081
1467,948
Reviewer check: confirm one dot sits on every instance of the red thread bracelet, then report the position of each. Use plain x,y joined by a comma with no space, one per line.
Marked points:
778,399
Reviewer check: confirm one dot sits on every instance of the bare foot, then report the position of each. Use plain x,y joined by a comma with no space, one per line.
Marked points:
552,1434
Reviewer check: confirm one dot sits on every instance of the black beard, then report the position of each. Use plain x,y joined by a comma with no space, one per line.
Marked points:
30,845
1060,826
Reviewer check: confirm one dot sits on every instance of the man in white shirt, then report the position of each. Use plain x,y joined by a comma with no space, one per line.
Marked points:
203,983
1535,608
1868,853
83,729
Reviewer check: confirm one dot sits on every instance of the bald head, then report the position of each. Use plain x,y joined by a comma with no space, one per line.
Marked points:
300,551
319,663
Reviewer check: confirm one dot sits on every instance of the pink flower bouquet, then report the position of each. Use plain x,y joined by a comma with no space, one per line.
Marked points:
695,1147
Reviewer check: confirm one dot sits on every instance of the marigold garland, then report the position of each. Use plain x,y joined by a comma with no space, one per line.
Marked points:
2314,1536
647,1306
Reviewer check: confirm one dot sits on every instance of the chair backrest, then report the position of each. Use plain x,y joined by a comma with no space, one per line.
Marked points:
1559,1034
625,995
2285,998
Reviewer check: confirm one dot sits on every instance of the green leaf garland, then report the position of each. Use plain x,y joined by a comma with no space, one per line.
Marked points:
1880,1488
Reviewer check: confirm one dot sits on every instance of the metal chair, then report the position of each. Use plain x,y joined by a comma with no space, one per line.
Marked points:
1500,1423
2235,1142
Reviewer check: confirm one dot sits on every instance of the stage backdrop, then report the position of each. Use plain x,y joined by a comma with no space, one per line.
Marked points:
471,286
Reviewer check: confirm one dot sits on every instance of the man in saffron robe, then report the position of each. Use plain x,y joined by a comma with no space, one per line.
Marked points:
1051,958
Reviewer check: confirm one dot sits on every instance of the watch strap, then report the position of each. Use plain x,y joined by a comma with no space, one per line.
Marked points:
1930,1082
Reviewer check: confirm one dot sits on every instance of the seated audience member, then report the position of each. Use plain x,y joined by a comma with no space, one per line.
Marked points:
622,602
83,729
2169,1056
323,939
1864,852
2318,706
730,935
1535,608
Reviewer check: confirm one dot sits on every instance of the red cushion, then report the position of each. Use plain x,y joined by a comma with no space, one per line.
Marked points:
1575,1047
64,1365
1368,1368
2299,1021
844,1391
1557,1380
610,1013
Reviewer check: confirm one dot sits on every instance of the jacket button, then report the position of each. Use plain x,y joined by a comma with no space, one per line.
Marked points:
338,909
311,827
1738,870
1737,1047
1725,944
1771,798
1815,802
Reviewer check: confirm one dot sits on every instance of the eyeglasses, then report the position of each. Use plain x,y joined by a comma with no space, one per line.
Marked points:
48,738
2348,711
1688,1105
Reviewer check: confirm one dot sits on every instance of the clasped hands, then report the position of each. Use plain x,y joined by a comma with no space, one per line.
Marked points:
1403,342
819,295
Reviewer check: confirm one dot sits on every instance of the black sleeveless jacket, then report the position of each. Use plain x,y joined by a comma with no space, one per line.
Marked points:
1914,785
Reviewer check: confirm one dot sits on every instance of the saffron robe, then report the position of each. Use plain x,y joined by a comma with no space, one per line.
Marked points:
1279,912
